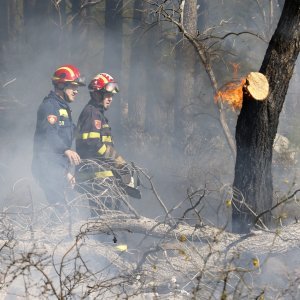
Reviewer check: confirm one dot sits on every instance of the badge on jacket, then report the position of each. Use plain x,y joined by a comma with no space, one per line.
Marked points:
52,119
97,124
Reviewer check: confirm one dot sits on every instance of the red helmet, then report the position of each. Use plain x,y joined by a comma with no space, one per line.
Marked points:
67,74
103,82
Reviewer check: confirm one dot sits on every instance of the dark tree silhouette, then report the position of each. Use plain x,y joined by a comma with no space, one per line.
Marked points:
258,121
113,48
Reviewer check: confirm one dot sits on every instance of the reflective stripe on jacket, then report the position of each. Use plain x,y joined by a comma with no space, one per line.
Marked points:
94,139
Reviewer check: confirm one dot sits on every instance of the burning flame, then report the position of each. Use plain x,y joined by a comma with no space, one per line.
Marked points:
235,67
232,93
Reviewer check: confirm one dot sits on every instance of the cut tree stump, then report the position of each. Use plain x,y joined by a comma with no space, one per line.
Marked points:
257,86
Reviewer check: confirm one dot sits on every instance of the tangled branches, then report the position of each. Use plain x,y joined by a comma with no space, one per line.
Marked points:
120,253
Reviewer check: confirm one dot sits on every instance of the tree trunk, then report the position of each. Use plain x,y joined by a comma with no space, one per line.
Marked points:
88,26
113,36
258,121
40,17
76,17
29,10
15,18
185,92
127,28
3,29
138,72
113,50
160,107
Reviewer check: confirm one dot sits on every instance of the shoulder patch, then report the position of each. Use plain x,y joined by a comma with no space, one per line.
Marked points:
97,124
52,119
63,112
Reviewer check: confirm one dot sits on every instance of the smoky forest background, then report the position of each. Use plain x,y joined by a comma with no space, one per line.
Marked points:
171,60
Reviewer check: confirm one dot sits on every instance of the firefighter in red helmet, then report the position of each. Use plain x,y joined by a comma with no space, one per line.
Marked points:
52,153
94,140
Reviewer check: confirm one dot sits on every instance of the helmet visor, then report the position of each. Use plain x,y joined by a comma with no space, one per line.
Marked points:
80,81
112,87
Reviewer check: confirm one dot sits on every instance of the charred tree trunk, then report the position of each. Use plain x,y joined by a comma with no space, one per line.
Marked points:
258,121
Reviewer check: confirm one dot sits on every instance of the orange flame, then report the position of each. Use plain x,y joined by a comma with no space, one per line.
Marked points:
232,93
235,67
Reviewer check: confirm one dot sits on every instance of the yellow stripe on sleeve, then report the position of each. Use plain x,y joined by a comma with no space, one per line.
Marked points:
90,135
102,150
106,138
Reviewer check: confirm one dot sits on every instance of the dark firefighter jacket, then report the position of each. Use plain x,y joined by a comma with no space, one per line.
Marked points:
94,141
53,136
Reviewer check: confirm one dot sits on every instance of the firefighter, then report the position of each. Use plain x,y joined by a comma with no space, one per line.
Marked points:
52,153
94,141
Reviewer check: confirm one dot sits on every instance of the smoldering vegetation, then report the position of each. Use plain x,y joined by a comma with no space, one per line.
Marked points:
175,242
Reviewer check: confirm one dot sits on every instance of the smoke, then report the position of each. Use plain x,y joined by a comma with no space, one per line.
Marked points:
208,165
32,60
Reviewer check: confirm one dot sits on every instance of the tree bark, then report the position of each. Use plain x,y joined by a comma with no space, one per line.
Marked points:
258,121
185,88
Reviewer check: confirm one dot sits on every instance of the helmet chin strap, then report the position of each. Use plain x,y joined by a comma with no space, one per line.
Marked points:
101,103
66,97
61,89
99,98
